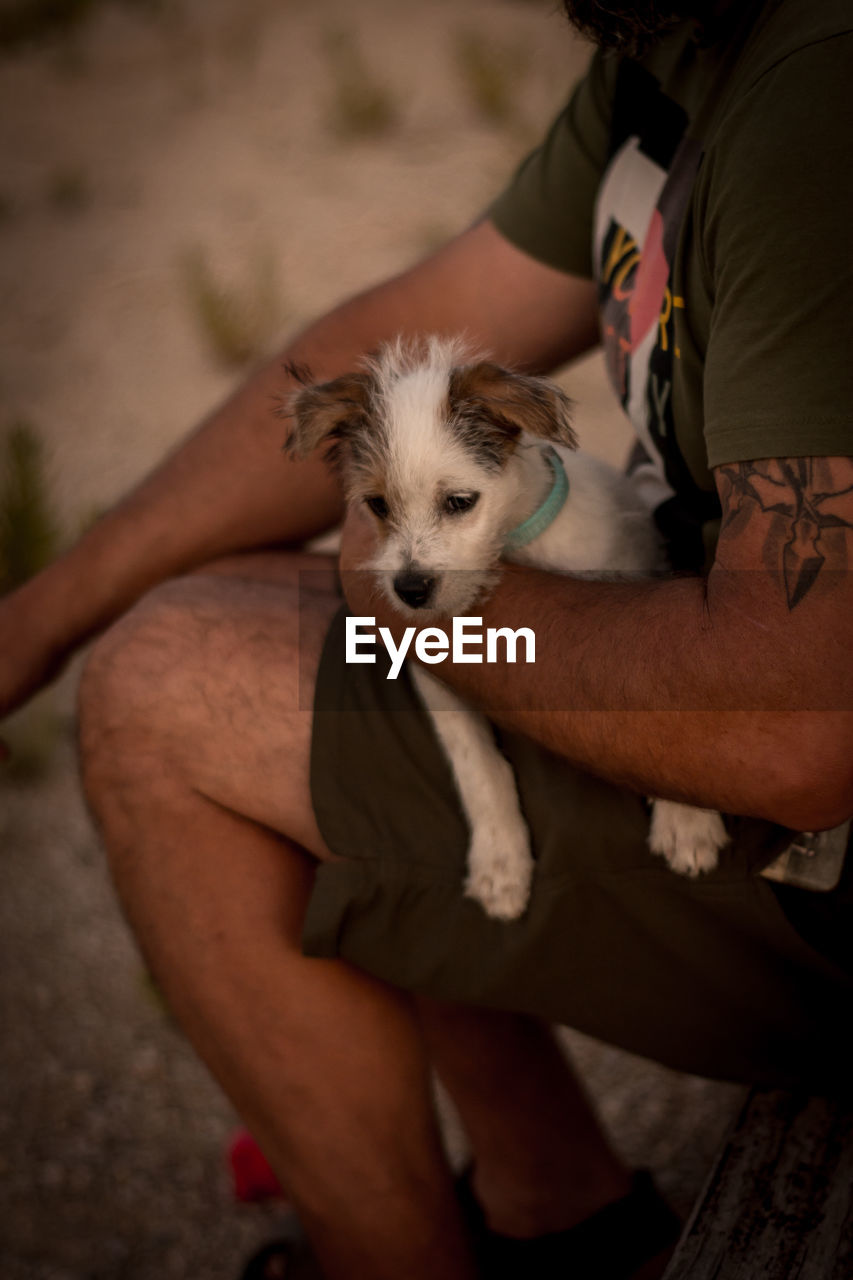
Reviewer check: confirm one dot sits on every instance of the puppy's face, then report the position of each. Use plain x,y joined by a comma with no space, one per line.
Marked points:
427,444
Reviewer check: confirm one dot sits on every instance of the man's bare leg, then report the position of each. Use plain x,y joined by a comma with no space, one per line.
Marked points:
196,762
546,1164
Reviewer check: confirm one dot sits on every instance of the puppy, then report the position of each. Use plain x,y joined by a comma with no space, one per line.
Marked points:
463,463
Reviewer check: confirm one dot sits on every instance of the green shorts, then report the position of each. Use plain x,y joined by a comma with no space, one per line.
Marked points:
707,975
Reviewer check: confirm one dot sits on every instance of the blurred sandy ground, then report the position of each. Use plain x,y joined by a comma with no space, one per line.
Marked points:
209,133
206,126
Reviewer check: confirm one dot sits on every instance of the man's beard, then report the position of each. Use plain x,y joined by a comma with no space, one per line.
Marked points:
630,26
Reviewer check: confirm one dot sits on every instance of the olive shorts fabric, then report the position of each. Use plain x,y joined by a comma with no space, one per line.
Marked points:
704,975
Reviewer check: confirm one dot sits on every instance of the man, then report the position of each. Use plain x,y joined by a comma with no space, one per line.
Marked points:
709,174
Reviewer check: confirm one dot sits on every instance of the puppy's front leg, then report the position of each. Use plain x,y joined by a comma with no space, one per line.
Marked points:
500,864
689,838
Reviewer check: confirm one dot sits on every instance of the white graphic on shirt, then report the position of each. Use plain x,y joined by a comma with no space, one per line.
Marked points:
624,226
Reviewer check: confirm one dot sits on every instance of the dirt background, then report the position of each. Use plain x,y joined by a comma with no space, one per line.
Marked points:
143,137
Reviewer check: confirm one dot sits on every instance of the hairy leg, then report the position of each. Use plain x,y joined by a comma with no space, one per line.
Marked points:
196,765
542,1162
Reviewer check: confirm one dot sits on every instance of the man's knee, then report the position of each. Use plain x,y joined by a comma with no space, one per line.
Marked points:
166,670
131,670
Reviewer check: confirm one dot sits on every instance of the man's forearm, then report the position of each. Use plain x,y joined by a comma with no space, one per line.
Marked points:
660,688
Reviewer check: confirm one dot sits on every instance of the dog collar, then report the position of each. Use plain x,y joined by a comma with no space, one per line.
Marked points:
548,510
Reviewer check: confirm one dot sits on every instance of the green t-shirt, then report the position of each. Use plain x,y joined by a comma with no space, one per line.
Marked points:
709,191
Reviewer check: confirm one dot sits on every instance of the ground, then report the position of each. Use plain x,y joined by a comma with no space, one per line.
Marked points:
293,152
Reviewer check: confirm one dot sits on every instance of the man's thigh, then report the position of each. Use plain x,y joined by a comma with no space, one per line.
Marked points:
213,674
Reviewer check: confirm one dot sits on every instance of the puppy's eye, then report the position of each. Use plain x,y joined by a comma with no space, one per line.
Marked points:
457,503
378,506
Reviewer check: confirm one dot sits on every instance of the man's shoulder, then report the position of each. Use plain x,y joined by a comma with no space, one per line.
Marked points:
788,104
785,28
750,38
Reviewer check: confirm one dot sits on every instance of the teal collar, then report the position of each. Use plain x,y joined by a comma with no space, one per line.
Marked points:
548,510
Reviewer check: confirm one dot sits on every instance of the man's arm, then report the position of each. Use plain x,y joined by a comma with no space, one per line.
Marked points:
229,488
735,693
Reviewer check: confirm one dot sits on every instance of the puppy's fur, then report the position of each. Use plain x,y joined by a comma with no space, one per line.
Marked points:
446,449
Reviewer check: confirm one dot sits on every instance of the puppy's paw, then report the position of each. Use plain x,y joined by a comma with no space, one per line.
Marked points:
690,839
500,870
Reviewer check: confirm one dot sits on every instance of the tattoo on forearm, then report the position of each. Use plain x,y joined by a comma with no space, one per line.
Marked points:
805,507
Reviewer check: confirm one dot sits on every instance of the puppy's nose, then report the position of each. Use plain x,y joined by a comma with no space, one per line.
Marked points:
414,589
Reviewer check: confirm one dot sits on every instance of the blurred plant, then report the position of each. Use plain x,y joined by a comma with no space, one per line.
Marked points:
237,324
361,106
32,21
24,22
491,73
29,539
28,530
153,993
69,191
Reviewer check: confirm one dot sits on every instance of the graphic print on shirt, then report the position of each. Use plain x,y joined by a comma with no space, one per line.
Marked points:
639,211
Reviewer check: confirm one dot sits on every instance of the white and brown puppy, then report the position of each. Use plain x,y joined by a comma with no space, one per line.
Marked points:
463,463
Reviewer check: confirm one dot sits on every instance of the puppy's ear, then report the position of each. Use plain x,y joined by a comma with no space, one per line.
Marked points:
505,404
327,412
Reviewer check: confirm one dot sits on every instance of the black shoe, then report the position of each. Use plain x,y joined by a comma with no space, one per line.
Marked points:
611,1244
290,1257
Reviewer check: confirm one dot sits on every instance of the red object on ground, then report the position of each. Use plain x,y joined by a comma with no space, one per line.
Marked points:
252,1177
